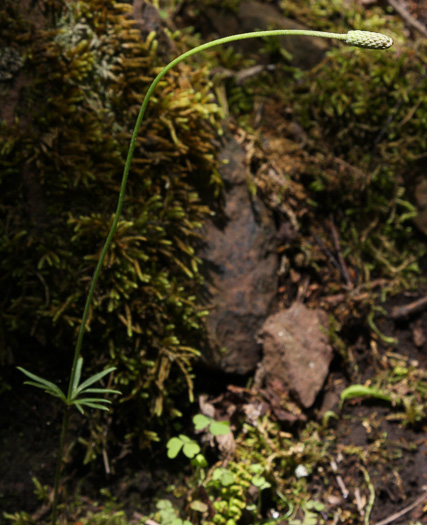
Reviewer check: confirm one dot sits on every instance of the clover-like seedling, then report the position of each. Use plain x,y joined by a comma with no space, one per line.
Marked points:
216,428
258,480
188,446
224,477
168,514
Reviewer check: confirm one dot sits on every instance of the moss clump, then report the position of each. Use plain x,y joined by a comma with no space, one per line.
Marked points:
365,113
84,75
338,15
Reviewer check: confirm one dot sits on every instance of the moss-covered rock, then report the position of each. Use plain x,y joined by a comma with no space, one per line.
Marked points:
79,75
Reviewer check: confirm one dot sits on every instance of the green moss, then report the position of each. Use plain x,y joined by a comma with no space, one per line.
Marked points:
367,110
339,15
61,161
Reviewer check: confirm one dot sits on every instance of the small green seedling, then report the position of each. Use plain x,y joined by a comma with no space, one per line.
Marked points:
216,428
188,446
258,480
311,516
364,391
167,515
223,476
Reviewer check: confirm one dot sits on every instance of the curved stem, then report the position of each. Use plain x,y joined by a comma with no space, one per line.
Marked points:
208,45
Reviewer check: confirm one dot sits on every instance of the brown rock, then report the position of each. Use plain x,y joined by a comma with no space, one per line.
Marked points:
296,351
240,266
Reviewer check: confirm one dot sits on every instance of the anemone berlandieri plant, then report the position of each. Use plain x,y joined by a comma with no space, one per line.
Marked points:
84,74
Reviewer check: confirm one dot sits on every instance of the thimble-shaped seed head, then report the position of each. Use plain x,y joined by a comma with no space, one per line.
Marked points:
368,39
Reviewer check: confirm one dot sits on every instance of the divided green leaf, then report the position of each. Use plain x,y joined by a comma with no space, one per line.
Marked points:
200,421
45,385
219,428
93,379
191,449
174,445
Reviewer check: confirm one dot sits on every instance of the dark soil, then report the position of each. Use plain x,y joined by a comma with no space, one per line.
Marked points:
28,443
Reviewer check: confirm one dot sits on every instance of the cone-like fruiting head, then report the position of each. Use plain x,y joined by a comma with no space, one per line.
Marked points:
368,39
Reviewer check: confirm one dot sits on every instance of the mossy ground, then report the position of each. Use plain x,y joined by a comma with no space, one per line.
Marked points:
333,156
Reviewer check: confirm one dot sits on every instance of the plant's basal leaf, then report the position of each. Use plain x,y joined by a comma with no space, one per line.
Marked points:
39,382
99,391
94,405
79,408
77,375
94,379
38,379
84,400
47,390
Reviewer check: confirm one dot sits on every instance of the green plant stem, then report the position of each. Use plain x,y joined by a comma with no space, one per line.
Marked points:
208,45
64,428
371,500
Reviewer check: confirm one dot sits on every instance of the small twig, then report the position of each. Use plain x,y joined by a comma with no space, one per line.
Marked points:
243,74
406,15
360,502
339,479
337,517
400,312
302,290
106,462
404,511
327,251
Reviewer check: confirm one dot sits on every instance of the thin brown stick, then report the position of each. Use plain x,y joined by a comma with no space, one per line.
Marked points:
404,511
400,312
406,15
